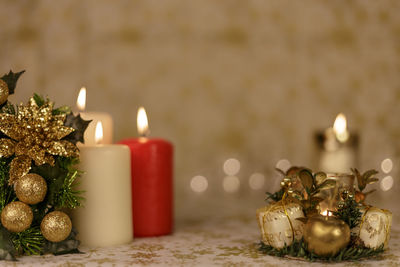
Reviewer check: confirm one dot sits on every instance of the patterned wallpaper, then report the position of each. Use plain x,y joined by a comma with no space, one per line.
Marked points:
250,79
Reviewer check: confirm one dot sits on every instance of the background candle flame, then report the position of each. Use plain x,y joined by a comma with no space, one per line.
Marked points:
142,122
340,128
98,136
81,101
326,213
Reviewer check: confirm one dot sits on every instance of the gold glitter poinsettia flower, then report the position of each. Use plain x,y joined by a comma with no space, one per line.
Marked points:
35,135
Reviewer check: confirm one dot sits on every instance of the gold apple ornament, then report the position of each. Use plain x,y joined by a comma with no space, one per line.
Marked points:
326,235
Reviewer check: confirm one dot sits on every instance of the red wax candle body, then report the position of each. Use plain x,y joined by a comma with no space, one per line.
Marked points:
152,186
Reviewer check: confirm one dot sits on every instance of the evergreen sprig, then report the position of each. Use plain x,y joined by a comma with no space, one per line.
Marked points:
6,191
275,196
68,197
29,242
61,187
349,212
298,249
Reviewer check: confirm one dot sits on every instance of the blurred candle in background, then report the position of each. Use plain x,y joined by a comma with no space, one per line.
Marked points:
104,117
337,148
106,216
152,182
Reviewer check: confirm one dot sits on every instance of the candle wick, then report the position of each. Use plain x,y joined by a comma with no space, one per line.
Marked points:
144,134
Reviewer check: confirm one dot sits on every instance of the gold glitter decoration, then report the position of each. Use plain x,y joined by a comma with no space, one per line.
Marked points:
16,217
6,147
56,226
37,133
31,188
4,92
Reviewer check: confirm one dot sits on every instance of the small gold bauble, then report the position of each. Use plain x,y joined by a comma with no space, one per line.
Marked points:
4,92
31,188
56,226
16,216
326,236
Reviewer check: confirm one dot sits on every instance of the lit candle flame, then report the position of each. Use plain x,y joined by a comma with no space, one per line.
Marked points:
81,101
98,135
326,213
142,122
340,128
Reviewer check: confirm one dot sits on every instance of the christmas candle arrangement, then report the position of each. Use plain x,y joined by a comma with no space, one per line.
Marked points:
95,117
296,224
337,148
106,218
152,182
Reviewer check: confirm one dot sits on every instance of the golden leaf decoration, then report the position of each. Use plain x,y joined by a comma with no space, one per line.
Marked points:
36,135
20,166
7,147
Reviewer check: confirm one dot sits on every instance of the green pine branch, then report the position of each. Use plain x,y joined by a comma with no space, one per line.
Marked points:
68,197
7,194
349,212
275,196
298,249
28,242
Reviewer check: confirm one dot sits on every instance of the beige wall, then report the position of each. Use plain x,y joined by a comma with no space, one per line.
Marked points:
245,79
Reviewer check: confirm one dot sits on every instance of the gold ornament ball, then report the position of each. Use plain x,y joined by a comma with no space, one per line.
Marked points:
56,226
326,236
31,188
4,92
16,217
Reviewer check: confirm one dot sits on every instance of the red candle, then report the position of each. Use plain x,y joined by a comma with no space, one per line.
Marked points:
152,185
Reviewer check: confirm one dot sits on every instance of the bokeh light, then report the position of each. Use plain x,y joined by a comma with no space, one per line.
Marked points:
387,183
283,164
231,166
199,184
387,165
257,181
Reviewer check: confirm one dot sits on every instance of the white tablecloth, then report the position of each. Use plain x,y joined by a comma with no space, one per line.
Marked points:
228,241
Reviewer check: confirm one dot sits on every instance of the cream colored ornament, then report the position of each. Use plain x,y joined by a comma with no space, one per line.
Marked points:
278,223
374,228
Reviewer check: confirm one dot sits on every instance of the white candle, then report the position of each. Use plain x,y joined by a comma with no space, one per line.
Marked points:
106,217
338,149
96,117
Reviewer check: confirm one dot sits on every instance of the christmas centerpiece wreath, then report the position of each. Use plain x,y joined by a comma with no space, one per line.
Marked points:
38,158
318,217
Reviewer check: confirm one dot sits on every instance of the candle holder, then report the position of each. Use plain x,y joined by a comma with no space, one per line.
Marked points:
344,187
334,154
347,229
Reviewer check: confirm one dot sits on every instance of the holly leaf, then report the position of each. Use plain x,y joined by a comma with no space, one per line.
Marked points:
11,80
67,246
80,126
7,250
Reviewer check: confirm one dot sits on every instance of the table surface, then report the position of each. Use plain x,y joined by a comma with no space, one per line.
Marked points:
228,241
